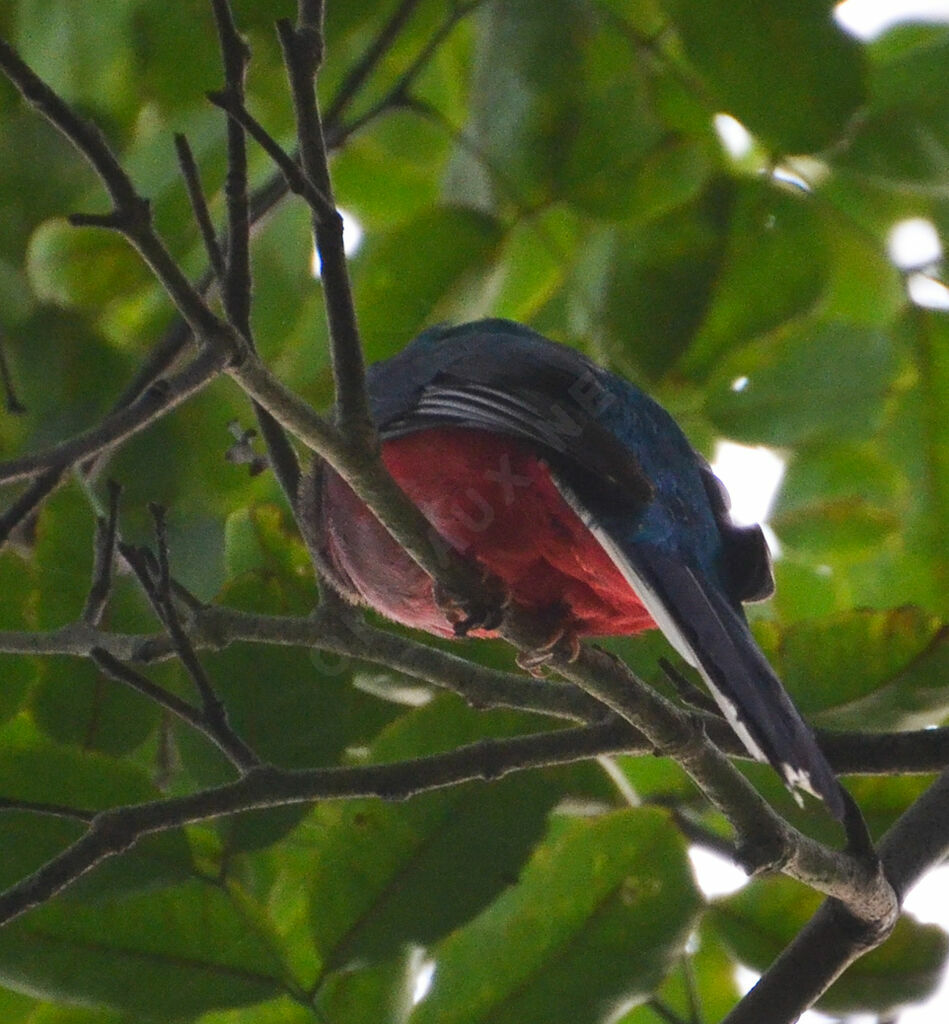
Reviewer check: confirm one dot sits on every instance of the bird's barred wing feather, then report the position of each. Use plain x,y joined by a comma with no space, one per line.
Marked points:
568,435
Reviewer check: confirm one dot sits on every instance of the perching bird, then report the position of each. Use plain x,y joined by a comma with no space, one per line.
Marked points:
583,497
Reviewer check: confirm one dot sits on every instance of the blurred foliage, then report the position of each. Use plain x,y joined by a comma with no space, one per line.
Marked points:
558,162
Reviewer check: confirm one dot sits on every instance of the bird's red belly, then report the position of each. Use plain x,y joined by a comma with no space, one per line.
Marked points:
494,501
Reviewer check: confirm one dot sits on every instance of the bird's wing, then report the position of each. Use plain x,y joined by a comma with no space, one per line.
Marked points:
712,635
543,413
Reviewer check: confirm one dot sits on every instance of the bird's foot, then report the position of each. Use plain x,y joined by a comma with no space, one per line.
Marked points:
562,642
466,614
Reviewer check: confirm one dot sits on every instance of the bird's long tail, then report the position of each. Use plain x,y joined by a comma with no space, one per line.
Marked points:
713,636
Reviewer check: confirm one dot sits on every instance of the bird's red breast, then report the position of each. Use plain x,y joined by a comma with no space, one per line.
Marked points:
495,502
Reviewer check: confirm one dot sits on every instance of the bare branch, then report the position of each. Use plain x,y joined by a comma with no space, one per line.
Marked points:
765,839
199,205
302,50
158,400
116,830
130,214
398,96
358,74
14,406
106,534
834,938
212,627
297,181
235,751
213,717
32,497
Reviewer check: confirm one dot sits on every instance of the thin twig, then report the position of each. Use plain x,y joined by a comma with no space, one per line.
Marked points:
199,205
833,938
398,95
29,501
106,534
297,182
157,588
131,214
689,694
262,202
121,673
660,1009
237,279
920,751
13,404
237,282
158,400
700,835
302,51
766,840
359,73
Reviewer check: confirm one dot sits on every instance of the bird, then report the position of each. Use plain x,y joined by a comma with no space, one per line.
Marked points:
584,498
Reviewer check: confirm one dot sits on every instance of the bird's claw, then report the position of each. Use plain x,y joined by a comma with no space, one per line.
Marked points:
562,643
466,614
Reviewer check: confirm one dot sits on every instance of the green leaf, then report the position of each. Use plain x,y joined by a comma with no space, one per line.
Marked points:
405,149
804,381
81,54
169,954
16,585
916,438
49,1014
597,916
745,50
294,711
865,669
708,979
902,139
405,276
284,1010
16,1008
387,875
758,922
836,471
34,770
58,266
659,281
837,529
863,286
603,156
73,702
528,66
773,268
381,993
533,263
263,557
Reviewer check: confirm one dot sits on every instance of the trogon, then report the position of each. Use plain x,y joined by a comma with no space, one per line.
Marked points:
583,497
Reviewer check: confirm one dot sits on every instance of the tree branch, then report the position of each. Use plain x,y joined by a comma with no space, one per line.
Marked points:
303,53
833,938
229,744
262,201
199,207
213,627
106,535
161,398
114,831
